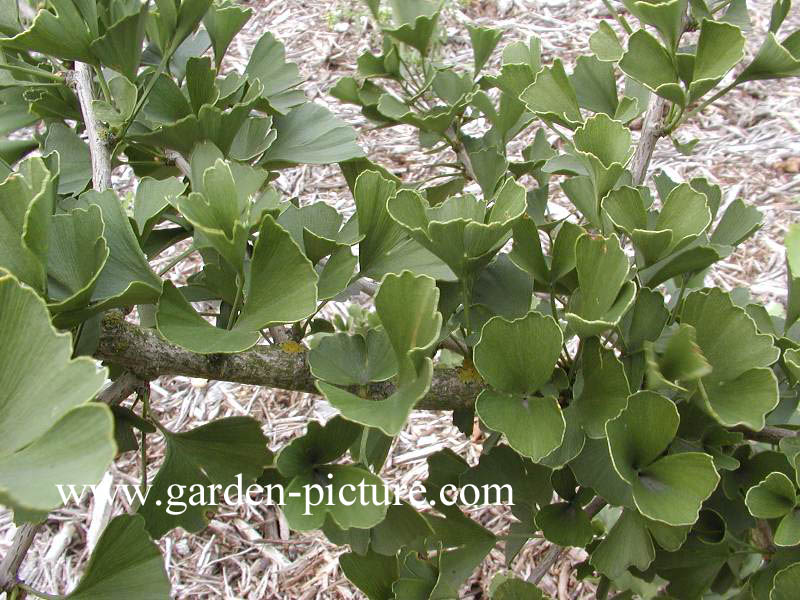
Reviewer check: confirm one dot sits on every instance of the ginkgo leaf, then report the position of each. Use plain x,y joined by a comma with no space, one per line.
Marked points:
77,255
604,389
268,299
648,62
50,433
510,364
400,299
553,97
62,33
774,497
219,453
310,134
27,201
604,291
627,544
670,489
125,564
223,21
533,426
462,231
739,357
344,359
279,78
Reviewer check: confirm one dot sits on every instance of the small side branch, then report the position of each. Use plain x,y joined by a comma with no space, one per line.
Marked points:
81,79
769,435
23,538
651,132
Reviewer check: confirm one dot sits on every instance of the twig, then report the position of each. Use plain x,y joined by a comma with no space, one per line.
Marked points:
770,435
23,538
651,132
125,385
81,79
180,162
461,152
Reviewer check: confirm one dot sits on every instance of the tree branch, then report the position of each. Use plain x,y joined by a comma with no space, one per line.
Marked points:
770,435
23,538
144,353
81,79
122,387
651,132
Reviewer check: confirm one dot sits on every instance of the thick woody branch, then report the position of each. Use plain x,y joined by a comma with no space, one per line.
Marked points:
144,353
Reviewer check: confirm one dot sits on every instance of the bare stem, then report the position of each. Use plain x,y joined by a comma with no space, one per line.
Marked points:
651,132
101,157
23,538
770,435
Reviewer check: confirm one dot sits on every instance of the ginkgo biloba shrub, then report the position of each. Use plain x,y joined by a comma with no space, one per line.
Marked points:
632,411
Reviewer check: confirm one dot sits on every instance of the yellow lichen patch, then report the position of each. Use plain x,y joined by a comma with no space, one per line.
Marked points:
292,347
467,373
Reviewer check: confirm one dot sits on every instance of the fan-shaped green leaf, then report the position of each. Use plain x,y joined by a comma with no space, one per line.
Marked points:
222,452
738,222
344,359
533,426
774,60
681,360
739,357
268,64
649,63
552,96
719,49
75,164
507,359
786,583
125,564
27,201
120,47
49,435
669,489
304,510
595,85
417,33
223,21
604,389
62,33
565,524
484,41
627,544
605,43
604,293
774,497
77,255
665,15
310,134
